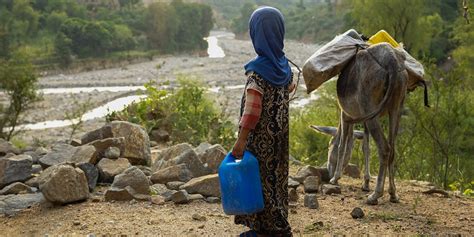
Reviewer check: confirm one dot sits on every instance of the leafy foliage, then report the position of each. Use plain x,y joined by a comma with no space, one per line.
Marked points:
187,113
18,81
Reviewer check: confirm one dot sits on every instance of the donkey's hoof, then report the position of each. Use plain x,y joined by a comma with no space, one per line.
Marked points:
394,199
333,181
372,200
365,188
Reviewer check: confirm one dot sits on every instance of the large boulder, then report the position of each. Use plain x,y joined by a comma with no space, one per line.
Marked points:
15,168
173,173
63,184
213,157
60,153
92,174
7,147
136,146
85,154
132,177
167,154
202,148
192,161
206,185
109,168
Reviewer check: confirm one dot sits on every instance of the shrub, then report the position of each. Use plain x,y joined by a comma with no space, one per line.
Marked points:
187,113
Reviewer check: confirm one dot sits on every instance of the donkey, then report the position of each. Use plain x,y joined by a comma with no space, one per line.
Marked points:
373,84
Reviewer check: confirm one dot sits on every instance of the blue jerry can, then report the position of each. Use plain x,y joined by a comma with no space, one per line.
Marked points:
241,187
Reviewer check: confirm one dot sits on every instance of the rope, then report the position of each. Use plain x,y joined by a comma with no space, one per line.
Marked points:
297,82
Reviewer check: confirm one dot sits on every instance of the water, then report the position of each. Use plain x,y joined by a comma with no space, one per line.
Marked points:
99,112
214,50
76,90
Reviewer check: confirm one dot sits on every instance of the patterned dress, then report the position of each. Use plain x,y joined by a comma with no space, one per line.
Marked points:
269,143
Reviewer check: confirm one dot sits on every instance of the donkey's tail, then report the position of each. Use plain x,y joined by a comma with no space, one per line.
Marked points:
390,79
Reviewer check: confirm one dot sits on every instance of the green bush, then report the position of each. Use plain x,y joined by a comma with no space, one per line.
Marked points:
187,113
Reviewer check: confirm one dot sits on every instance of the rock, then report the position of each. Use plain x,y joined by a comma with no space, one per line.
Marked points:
352,171
174,173
198,217
310,201
324,172
304,172
213,200
145,169
292,195
75,142
38,153
158,200
63,184
137,142
85,154
11,204
112,152
168,154
174,185
16,188
311,184
329,189
92,174
7,147
98,134
33,182
154,144
202,148
357,213
196,196
103,144
36,169
108,168
169,194
159,135
118,194
294,161
293,183
213,157
190,158
59,154
206,185
180,197
159,189
14,169
132,177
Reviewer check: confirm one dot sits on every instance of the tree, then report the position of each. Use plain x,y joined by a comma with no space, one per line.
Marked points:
162,26
62,46
18,81
240,25
405,20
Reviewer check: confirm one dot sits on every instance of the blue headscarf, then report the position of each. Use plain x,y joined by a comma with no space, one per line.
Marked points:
267,31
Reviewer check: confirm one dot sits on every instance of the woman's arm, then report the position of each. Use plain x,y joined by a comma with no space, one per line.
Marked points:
250,118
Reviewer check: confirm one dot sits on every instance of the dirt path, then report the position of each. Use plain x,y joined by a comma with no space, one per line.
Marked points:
416,214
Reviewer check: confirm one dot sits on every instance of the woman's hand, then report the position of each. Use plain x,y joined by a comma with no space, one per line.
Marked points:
239,147
292,87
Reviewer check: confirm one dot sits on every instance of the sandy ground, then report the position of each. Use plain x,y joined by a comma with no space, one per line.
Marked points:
417,214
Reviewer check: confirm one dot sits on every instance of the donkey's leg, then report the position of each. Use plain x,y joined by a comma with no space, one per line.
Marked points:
394,120
366,151
383,152
345,142
332,152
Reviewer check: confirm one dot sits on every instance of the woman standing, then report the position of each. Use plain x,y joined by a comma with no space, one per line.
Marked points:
264,122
